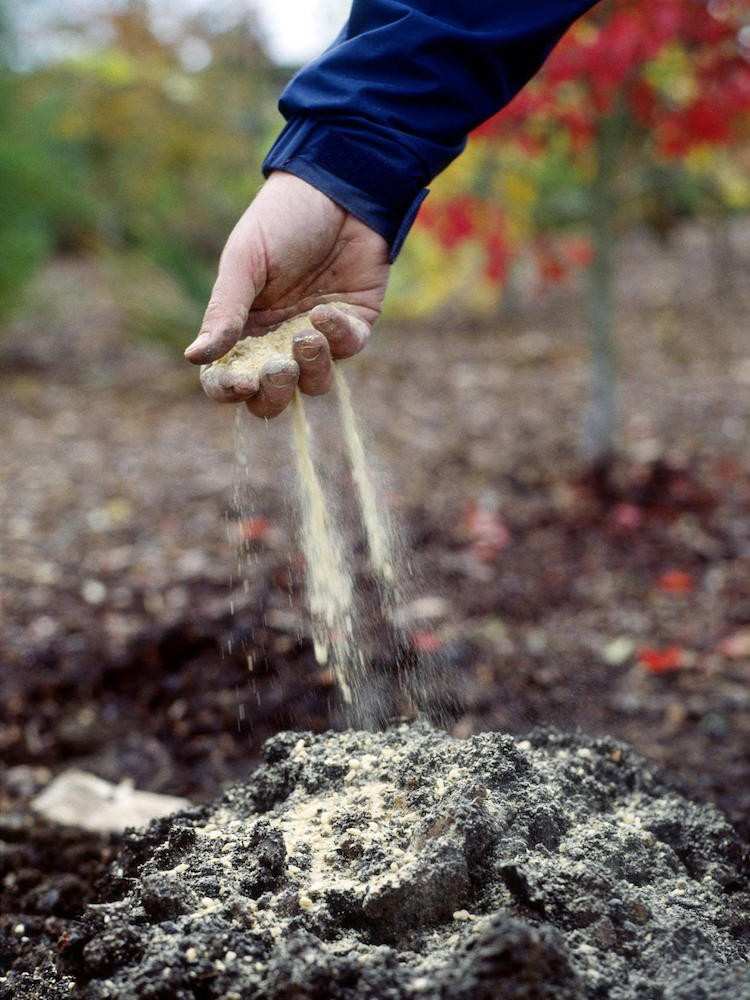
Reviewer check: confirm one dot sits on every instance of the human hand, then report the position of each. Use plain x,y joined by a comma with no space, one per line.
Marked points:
293,250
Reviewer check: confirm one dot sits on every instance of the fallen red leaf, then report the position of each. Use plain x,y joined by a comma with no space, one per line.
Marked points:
626,517
661,661
676,581
426,642
254,529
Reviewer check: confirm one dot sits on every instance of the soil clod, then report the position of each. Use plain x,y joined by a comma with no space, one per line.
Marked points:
409,864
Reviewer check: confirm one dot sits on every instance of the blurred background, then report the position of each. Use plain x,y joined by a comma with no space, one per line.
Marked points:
558,397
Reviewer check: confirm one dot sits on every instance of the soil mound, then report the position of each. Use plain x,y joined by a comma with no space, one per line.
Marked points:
409,864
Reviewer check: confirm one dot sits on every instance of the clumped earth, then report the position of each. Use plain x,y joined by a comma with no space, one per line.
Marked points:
410,864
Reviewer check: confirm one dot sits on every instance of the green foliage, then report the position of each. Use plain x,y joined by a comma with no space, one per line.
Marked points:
153,304
40,198
149,149
125,151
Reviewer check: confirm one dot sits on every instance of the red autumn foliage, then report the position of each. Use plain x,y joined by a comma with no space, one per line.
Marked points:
455,223
498,258
607,66
601,68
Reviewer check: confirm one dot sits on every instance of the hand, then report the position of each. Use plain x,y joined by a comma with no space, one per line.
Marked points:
292,250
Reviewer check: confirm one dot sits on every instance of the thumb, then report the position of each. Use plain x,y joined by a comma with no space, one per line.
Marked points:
237,283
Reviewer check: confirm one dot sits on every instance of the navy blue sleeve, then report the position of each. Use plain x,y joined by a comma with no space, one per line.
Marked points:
390,103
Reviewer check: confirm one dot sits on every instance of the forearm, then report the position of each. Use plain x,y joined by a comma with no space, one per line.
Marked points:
390,103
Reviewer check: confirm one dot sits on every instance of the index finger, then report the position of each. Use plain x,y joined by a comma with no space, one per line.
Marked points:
233,294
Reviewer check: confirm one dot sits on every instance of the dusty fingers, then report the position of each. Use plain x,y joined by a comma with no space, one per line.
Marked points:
237,283
345,332
312,354
223,385
278,380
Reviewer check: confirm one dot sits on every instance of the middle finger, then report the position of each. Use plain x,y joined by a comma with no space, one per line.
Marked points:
278,380
312,354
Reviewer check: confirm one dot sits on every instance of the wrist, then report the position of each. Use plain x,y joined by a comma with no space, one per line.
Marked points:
361,177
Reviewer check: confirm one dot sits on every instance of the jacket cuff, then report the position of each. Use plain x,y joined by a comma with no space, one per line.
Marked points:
378,183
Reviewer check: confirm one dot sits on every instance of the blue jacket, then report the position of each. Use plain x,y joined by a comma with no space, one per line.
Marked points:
390,103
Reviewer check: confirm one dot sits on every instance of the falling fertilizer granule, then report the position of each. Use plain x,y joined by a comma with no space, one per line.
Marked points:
330,587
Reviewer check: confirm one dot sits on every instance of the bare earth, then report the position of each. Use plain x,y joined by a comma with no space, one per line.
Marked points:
128,633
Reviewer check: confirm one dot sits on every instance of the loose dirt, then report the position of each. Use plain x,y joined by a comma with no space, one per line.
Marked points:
409,864
152,683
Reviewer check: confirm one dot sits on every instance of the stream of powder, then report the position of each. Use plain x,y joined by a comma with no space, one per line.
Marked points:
329,579
377,525
361,635
417,681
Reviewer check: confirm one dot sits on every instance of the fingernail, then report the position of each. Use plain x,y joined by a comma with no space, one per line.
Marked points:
198,344
310,349
324,315
280,379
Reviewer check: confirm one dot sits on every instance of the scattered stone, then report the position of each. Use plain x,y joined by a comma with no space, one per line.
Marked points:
76,798
618,651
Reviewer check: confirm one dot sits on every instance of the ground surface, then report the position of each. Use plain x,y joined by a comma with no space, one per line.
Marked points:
129,628
407,864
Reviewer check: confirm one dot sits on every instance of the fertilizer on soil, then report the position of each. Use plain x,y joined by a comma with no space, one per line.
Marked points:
406,864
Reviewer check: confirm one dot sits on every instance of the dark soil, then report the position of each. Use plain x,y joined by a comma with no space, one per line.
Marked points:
48,874
409,864
551,596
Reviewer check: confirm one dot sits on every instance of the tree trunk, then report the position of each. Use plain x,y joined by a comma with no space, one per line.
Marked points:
723,258
600,418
